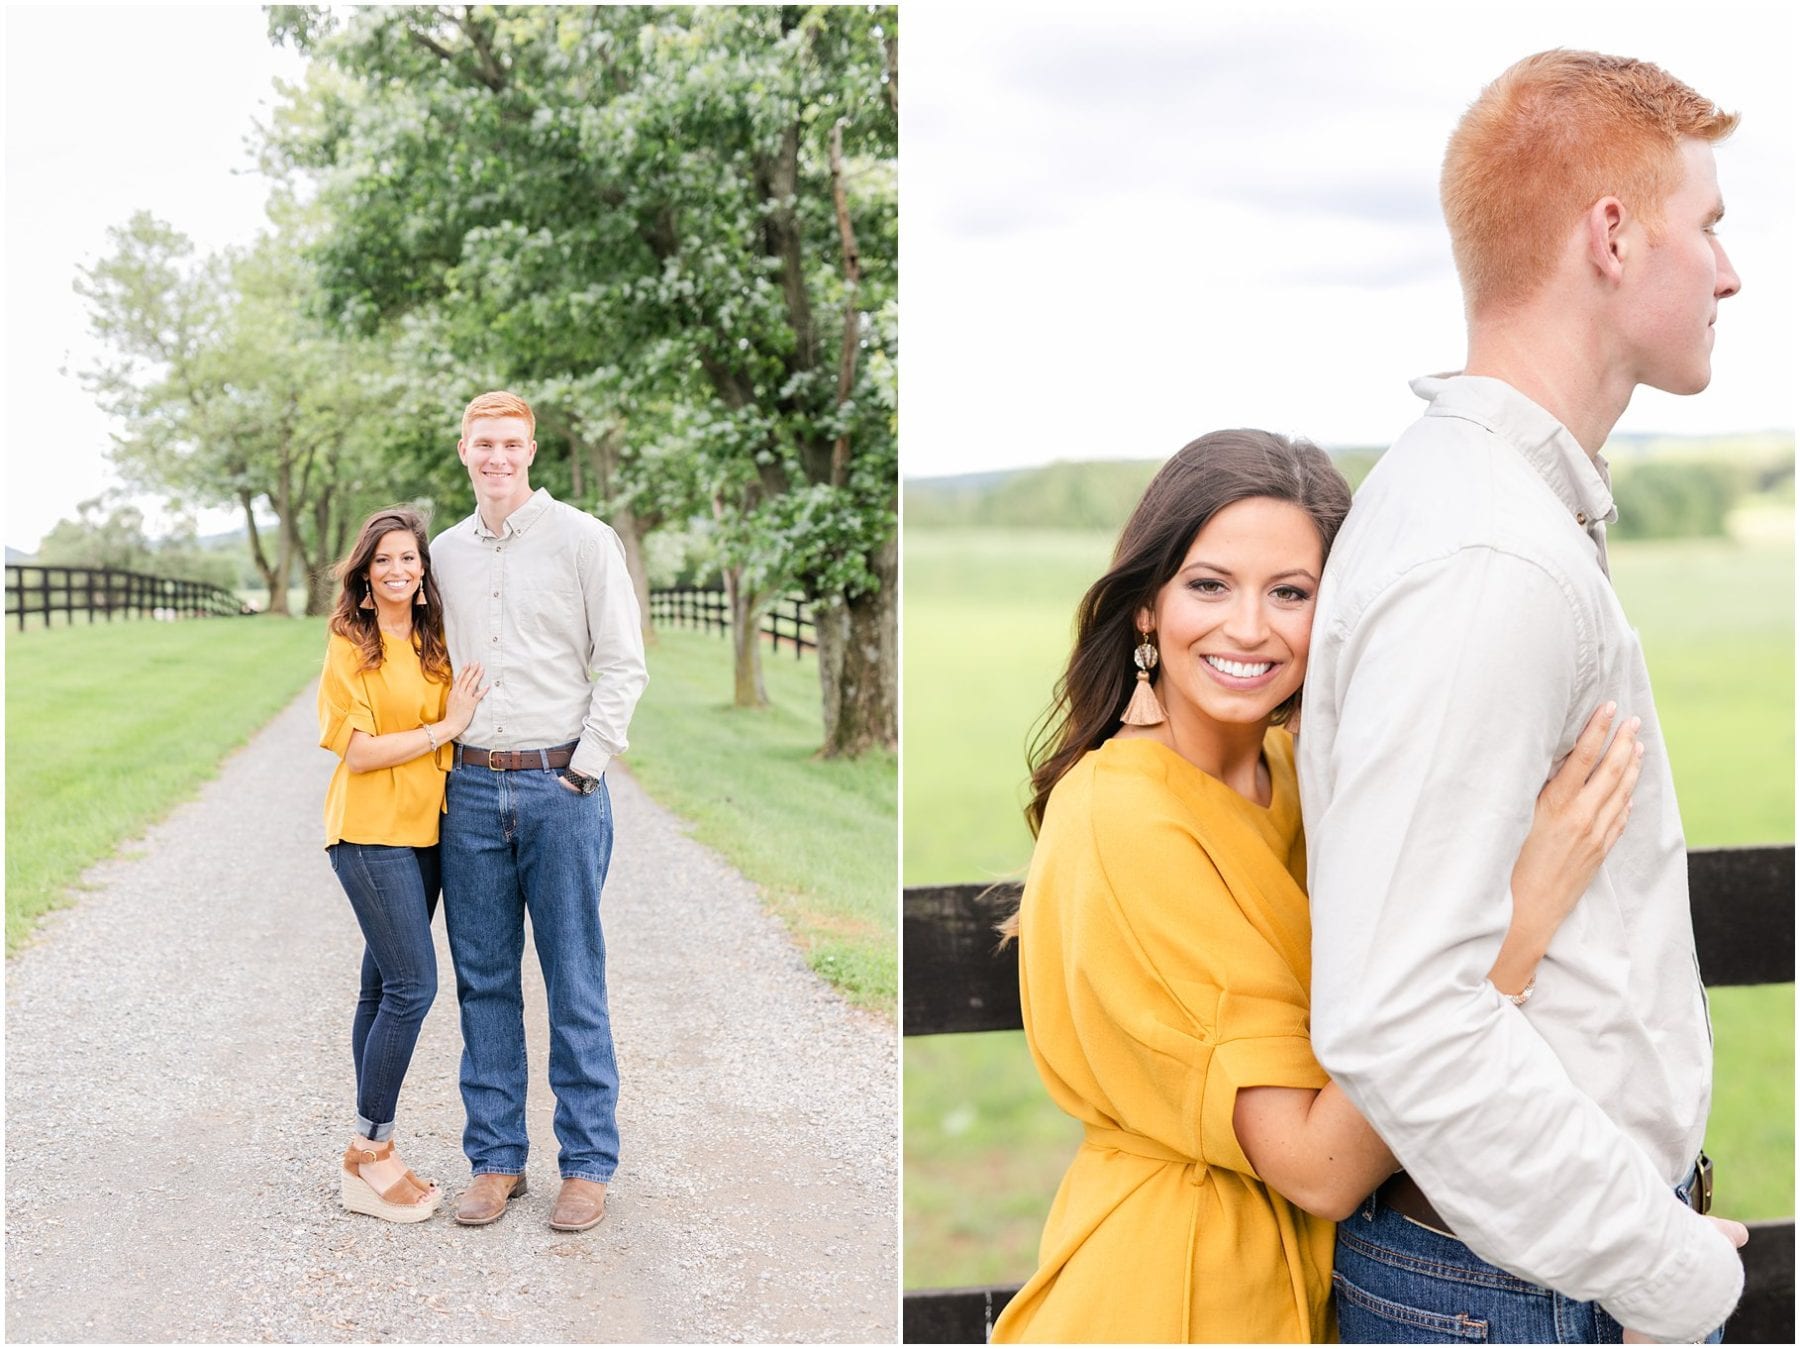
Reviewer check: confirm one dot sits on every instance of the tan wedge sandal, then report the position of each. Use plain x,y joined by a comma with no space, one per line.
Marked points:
407,1200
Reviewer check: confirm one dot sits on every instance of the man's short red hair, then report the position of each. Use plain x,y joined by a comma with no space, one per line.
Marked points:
499,403
1554,134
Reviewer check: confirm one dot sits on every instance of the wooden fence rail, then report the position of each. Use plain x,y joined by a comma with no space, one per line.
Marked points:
1743,909
106,591
788,620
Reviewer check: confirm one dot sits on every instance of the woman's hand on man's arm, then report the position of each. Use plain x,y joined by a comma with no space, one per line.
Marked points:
1579,816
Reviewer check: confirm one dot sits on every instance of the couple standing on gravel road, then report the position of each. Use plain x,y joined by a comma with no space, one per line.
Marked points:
533,596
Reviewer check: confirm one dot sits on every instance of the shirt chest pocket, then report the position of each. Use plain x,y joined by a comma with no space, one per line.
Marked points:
541,613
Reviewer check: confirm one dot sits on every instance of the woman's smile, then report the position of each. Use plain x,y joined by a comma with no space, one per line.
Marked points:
1242,674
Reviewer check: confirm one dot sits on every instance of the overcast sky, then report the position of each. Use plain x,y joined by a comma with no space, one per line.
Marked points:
1119,227
1122,228
109,111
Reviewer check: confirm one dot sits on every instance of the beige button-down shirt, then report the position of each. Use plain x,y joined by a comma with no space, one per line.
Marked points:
547,607
1466,630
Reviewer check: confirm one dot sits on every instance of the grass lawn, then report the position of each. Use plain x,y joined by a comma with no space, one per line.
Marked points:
988,617
817,835
110,725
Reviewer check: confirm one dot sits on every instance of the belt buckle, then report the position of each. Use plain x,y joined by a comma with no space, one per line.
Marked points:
494,764
1705,1184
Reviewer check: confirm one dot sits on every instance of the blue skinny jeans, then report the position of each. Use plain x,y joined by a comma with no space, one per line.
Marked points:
394,893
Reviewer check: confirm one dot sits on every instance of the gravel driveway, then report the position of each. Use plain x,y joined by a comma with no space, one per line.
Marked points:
178,1093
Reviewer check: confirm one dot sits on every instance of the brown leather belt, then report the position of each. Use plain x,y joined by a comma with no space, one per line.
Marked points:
506,760
1402,1194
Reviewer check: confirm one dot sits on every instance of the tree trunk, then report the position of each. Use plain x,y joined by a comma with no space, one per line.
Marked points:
747,608
321,589
631,534
631,530
858,672
274,580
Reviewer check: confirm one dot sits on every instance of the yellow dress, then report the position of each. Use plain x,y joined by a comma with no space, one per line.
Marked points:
1164,962
398,805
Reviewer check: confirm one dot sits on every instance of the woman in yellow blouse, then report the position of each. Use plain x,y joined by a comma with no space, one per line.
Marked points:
1165,947
389,709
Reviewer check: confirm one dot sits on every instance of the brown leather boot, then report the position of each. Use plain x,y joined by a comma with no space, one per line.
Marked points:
485,1199
580,1205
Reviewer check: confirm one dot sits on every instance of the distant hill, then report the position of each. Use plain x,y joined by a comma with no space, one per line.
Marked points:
1099,494
14,555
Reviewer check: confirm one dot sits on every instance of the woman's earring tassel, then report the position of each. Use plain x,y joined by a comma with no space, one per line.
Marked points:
1143,709
368,599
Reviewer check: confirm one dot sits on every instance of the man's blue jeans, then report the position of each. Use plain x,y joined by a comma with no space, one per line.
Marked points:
516,842
394,892
1396,1282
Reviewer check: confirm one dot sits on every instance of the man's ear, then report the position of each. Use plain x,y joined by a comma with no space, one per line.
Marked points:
1605,234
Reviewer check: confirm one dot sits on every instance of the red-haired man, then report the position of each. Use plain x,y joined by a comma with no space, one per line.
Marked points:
537,592
1466,630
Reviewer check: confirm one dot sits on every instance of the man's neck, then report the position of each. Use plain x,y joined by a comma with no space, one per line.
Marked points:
1558,369
495,515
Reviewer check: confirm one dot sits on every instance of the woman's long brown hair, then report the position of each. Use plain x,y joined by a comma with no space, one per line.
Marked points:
1203,477
349,619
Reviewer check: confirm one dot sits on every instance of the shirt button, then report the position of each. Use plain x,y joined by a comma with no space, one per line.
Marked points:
1581,517
495,638
496,594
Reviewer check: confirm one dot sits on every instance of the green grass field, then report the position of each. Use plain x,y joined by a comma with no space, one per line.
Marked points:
987,628
109,725
817,835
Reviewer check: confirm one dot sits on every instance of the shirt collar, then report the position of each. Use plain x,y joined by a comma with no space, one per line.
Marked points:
520,520
1582,484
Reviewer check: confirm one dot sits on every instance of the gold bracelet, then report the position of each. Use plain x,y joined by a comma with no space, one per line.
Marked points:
426,727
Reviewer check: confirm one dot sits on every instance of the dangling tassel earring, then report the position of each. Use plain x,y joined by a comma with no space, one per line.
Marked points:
419,595
368,599
1143,709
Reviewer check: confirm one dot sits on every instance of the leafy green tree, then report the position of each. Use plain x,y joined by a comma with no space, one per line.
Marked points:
230,392
677,227
109,533
114,539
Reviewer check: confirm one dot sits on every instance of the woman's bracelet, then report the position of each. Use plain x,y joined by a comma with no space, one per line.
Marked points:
430,735
1523,996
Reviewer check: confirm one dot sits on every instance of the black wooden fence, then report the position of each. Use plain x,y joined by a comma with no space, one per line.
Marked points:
788,620
108,592
1743,908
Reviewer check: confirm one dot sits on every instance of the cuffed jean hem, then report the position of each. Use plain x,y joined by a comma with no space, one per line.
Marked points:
375,1133
495,1169
594,1176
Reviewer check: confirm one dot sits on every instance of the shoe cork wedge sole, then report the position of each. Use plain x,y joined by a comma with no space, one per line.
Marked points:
359,1196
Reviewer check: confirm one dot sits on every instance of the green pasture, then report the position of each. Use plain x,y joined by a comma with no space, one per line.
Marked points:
109,725
987,628
817,835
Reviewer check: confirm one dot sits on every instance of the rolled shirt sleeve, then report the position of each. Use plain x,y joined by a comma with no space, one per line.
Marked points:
344,704
1456,692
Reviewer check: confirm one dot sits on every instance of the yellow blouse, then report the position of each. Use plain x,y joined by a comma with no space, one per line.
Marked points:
1164,962
398,805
